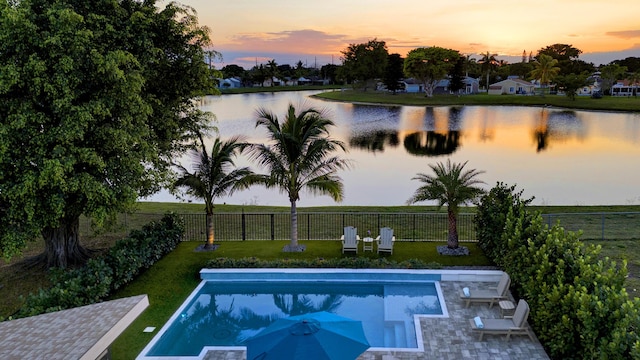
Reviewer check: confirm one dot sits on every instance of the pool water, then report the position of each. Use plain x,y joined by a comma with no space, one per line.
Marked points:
224,314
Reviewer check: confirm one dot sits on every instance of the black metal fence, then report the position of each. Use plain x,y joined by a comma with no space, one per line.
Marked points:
329,226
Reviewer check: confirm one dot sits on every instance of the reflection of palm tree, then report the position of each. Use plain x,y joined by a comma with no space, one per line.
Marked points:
297,304
431,143
374,141
210,324
557,125
540,133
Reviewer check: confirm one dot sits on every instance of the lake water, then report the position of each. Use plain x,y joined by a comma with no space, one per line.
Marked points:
562,157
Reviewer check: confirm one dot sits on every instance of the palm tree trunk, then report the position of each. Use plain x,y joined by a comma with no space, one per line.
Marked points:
452,238
210,237
294,226
487,85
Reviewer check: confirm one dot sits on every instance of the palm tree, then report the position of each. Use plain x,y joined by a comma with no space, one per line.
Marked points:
545,69
452,186
488,63
300,157
272,69
214,176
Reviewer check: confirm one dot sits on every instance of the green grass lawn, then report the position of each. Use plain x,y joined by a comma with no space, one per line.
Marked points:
172,279
607,103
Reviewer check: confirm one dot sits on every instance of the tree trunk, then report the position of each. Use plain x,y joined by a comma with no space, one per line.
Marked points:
294,226
487,85
62,244
452,238
210,237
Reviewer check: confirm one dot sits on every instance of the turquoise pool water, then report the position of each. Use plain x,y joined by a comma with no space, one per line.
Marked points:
224,313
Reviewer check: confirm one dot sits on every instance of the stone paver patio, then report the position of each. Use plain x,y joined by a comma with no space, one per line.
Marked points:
448,338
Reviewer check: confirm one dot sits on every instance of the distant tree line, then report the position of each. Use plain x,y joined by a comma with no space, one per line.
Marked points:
366,65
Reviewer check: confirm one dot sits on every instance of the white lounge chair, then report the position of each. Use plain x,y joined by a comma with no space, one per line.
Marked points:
385,240
490,296
510,325
350,239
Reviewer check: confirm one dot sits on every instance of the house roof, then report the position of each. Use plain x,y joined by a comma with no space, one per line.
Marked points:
517,81
81,333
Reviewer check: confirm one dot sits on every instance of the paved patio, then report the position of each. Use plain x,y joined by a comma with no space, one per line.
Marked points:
449,338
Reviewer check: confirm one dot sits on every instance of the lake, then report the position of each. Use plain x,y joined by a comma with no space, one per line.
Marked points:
560,156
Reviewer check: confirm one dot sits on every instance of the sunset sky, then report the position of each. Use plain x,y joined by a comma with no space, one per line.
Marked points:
315,32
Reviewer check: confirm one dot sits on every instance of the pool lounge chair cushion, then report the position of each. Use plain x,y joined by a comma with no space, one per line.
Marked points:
490,296
510,325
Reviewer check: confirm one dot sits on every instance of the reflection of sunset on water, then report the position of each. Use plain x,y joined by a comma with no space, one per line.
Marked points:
562,157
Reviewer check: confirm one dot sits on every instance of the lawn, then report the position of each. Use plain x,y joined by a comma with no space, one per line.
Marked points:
173,278
607,103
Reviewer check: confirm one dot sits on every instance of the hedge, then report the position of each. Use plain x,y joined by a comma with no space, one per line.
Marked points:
579,306
101,276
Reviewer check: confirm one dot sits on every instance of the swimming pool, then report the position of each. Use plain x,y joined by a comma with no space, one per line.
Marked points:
230,306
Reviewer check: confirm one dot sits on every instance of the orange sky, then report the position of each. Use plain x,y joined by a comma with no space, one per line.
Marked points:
247,31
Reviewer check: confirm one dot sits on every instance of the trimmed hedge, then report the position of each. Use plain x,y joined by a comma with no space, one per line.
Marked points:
579,307
101,276
348,263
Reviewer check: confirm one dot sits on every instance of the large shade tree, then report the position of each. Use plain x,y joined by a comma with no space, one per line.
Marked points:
300,155
214,175
365,62
96,97
451,185
430,65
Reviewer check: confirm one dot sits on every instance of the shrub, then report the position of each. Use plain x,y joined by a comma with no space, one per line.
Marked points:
101,276
347,262
579,307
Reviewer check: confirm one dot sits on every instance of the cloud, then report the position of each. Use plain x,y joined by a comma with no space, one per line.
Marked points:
627,34
305,41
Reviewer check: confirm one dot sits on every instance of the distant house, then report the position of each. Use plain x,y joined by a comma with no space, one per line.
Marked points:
412,85
624,88
511,87
230,83
471,86
594,86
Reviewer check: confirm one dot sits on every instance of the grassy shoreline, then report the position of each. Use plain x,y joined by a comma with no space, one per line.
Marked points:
607,103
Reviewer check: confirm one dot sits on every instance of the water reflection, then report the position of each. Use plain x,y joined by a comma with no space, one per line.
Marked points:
374,141
432,143
557,126
558,156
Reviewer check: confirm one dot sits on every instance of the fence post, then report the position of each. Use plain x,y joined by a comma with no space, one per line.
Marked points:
244,228
308,226
413,225
602,226
272,227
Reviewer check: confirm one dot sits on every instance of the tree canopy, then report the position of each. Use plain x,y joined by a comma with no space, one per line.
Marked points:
95,100
365,62
430,65
393,72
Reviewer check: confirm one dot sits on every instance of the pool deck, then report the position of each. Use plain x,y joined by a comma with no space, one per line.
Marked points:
448,338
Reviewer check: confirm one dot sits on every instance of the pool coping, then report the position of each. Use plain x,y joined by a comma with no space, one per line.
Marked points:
435,275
